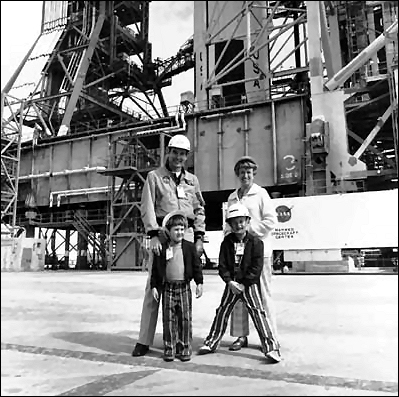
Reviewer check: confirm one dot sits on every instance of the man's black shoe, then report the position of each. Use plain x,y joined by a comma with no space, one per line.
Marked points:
184,357
140,350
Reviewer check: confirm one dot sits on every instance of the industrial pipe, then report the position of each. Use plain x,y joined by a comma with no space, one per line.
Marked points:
246,137
274,140
62,173
248,29
220,152
195,141
75,192
165,129
234,112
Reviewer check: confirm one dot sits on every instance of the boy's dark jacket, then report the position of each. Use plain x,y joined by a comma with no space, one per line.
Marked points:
192,265
251,264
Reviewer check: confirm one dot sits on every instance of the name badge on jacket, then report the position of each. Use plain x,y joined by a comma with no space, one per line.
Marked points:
169,253
181,194
239,248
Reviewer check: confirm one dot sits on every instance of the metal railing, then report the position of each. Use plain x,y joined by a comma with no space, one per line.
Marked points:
95,216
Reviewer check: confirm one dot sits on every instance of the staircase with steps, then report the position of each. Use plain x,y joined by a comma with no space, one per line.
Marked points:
82,225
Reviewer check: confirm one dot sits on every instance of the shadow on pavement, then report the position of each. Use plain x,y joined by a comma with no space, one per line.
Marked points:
122,344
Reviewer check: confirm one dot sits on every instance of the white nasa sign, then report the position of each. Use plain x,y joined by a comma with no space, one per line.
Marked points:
330,222
351,220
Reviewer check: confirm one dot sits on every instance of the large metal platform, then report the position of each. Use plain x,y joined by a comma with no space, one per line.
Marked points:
260,83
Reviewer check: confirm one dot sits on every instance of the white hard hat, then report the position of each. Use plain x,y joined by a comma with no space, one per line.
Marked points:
171,215
180,142
237,209
245,159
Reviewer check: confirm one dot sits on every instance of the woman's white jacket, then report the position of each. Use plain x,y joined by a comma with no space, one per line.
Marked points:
262,212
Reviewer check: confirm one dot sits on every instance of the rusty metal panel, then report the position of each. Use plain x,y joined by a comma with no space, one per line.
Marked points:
205,153
260,145
290,126
274,139
64,156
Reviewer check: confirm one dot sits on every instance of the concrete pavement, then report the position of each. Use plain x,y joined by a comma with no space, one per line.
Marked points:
72,333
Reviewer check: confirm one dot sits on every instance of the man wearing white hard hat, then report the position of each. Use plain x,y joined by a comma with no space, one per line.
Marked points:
168,188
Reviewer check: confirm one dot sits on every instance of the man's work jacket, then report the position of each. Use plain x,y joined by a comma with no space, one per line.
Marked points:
160,197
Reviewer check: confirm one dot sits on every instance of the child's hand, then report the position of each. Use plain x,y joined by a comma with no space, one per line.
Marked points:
235,287
155,294
198,291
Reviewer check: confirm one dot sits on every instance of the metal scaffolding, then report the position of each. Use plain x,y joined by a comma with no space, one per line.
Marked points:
90,79
11,134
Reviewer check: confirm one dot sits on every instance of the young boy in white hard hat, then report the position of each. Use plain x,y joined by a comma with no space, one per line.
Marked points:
240,267
172,270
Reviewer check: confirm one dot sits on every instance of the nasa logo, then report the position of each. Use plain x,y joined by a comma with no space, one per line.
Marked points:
283,213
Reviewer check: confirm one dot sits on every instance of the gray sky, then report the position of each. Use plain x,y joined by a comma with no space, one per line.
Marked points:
171,24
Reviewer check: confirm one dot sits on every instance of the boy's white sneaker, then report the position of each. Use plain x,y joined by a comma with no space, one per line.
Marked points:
205,350
274,355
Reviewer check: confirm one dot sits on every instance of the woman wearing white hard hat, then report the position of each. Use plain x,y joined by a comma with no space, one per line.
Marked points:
168,188
263,220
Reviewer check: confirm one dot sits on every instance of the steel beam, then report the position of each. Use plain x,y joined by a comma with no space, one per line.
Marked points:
314,34
381,121
77,89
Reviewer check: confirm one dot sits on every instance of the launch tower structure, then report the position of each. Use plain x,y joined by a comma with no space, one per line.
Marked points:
307,88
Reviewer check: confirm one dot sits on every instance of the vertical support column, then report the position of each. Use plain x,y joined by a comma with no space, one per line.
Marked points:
110,220
112,39
94,256
325,39
372,37
388,19
274,140
220,153
335,45
52,241
257,67
67,245
162,148
84,66
309,188
319,176
103,238
81,260
246,134
30,231
201,53
53,255
314,35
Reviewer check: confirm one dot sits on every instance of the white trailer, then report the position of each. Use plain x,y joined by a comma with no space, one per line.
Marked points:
315,231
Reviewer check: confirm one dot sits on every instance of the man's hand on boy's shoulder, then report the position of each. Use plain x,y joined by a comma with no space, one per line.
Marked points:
199,246
198,291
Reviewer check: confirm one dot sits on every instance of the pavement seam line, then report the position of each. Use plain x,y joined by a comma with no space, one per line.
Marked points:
108,384
308,379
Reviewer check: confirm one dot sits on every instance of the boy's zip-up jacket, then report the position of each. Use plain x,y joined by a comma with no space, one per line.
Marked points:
250,268
192,266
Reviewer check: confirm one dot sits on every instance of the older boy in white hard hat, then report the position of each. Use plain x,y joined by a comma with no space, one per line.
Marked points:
240,267
172,272
168,188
